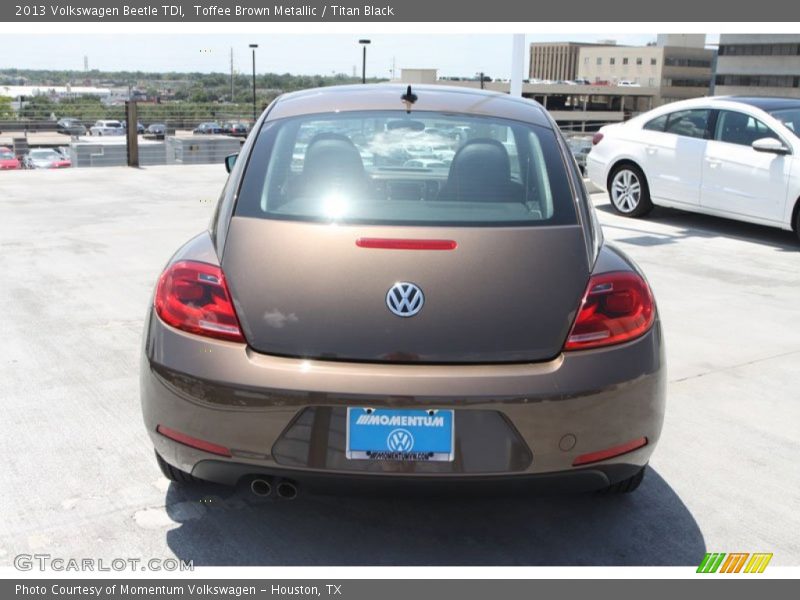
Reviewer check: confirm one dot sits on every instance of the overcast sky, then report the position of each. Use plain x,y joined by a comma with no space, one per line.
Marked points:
455,54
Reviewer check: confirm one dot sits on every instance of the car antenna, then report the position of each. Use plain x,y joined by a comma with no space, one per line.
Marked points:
409,98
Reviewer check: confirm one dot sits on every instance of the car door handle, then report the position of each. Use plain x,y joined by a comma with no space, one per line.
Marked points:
651,149
713,162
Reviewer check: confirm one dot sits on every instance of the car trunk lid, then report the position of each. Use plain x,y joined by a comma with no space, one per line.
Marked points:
503,294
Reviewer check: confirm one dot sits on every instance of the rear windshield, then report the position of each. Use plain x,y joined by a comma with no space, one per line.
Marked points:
396,168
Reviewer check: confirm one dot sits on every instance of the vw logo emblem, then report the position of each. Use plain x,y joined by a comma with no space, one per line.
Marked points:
400,440
404,299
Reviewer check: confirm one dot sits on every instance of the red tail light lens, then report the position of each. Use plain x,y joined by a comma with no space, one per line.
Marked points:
592,457
617,307
597,138
193,442
193,296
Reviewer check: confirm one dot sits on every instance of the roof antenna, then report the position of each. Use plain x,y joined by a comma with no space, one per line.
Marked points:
408,98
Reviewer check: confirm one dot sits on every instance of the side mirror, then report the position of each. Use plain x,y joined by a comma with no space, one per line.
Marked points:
770,145
230,160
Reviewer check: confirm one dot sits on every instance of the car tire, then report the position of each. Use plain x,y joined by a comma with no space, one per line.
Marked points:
797,222
629,192
626,486
173,473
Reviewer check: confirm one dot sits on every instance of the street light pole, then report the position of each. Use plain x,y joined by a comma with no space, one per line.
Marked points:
364,60
254,46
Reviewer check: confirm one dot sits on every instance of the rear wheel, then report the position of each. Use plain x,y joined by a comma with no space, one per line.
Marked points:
626,486
173,473
628,190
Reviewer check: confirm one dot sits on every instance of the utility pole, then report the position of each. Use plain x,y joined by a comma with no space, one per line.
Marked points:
254,46
364,44
231,74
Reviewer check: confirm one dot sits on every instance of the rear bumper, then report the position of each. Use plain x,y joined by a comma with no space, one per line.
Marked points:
575,480
596,172
514,422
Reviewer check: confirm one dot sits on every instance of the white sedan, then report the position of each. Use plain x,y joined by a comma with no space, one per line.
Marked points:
724,156
106,127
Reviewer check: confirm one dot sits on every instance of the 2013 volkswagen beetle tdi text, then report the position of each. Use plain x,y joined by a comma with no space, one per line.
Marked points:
350,317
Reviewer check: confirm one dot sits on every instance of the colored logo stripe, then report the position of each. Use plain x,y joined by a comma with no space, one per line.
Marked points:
711,562
758,563
734,562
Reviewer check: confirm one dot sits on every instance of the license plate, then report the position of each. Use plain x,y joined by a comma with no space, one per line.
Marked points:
405,435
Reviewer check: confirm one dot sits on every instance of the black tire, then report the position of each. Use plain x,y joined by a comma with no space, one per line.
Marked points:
797,223
173,473
626,486
629,192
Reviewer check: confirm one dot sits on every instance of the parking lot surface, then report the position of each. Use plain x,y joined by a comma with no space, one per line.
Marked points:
81,250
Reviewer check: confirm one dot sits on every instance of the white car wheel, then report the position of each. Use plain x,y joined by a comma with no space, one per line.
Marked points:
628,191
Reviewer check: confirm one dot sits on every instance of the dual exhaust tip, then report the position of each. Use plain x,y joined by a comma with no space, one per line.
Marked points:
282,488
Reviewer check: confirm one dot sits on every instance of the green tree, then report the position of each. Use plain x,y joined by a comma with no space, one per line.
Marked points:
6,110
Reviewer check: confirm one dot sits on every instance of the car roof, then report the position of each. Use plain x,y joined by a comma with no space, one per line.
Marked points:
765,103
386,96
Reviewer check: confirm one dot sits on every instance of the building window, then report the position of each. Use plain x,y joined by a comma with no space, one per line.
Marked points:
586,60
759,50
638,60
698,82
625,61
653,61
789,81
599,60
701,63
612,60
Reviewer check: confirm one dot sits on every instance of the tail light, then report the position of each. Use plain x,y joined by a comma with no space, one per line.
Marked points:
592,457
194,297
193,442
617,307
597,138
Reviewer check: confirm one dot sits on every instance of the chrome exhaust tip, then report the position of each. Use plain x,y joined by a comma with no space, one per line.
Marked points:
261,487
287,490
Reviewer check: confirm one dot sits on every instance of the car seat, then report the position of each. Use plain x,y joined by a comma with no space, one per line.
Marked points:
481,172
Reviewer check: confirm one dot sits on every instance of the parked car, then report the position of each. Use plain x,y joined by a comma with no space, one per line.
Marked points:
107,127
465,325
45,158
733,157
235,129
425,163
70,126
156,131
580,146
582,81
210,128
8,162
627,83
139,127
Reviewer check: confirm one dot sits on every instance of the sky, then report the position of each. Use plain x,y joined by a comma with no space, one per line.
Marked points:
452,54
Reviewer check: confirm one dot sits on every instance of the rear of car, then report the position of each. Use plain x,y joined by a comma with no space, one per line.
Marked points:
401,323
106,127
8,160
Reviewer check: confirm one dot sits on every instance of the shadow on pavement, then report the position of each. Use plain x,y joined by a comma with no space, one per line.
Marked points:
694,225
223,526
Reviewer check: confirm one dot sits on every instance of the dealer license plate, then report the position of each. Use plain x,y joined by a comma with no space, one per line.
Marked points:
405,435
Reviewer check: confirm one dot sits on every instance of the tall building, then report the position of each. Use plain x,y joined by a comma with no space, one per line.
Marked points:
555,61
676,72
758,65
